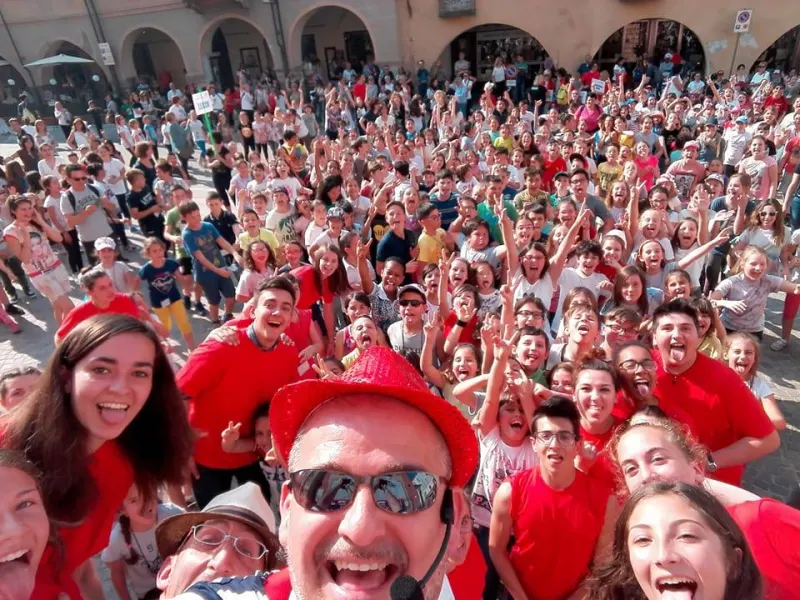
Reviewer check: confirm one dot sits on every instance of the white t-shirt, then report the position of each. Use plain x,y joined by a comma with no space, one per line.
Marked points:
61,222
43,259
499,461
572,278
141,575
114,168
313,231
542,289
760,387
290,183
45,170
250,279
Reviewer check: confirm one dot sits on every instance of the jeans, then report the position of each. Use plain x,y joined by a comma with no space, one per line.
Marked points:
714,268
794,211
15,265
213,482
492,585
73,248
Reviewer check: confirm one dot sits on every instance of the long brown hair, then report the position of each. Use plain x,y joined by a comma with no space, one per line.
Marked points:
157,442
778,228
615,579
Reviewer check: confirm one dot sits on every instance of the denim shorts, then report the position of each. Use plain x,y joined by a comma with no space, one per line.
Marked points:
217,287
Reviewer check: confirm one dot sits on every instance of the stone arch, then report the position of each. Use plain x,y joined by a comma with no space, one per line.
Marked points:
80,73
483,42
783,53
262,58
158,41
301,21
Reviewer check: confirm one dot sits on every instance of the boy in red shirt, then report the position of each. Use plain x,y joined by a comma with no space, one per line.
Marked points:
227,382
561,519
727,418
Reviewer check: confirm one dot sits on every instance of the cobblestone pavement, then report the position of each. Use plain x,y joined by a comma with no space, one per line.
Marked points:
774,476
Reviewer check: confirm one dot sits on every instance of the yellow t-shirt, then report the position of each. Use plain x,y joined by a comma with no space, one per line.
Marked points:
430,246
711,346
504,142
264,235
351,358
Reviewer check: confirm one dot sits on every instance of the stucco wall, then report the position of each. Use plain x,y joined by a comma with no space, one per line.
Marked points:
402,31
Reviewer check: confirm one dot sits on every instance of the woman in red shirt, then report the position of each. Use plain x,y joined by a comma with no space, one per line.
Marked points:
323,280
106,414
650,449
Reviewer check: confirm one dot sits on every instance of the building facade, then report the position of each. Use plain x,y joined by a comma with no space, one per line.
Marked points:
200,40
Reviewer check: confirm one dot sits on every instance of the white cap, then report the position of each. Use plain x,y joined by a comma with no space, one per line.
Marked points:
105,243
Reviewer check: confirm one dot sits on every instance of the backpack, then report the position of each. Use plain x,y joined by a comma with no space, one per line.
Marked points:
71,196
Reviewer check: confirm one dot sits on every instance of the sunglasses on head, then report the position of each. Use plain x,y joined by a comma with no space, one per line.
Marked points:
398,493
410,302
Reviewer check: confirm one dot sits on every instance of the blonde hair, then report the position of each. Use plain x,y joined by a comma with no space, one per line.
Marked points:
746,253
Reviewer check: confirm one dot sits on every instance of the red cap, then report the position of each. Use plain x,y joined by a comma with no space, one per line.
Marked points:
379,371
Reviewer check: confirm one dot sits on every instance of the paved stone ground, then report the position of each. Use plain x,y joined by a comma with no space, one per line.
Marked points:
774,476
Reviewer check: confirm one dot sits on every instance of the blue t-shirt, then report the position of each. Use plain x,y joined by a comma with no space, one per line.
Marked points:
205,240
393,246
448,209
161,283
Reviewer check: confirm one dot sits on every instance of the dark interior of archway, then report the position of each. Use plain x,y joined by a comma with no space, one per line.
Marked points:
143,60
77,75
221,61
482,44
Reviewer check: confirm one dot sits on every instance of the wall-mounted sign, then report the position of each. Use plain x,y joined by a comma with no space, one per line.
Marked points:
456,8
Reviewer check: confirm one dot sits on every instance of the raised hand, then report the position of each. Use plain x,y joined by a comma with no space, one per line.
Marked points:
230,435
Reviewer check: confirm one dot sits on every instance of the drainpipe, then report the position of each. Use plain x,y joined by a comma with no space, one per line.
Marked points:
19,58
97,27
275,8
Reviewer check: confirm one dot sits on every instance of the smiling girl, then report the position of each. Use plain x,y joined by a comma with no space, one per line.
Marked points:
767,231
743,295
109,389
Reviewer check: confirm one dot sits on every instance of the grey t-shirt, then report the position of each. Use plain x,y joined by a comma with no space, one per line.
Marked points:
754,294
401,341
96,225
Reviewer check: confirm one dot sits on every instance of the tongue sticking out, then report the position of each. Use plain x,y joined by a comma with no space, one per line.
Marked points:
112,416
677,354
643,389
361,579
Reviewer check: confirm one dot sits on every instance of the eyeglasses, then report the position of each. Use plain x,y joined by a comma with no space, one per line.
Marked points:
527,314
79,178
767,213
564,438
619,329
630,366
398,493
409,302
208,535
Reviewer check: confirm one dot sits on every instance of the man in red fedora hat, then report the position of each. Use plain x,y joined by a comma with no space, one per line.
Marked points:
377,467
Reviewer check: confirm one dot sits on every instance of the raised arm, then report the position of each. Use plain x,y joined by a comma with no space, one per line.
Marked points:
431,373
701,251
487,417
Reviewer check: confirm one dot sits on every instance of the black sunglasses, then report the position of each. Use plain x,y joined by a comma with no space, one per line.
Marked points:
410,302
398,493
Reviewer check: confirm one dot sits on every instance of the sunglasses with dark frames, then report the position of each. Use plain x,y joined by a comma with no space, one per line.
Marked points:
398,493
80,178
410,302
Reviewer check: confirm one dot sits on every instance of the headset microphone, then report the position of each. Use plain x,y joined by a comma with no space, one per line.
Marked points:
406,587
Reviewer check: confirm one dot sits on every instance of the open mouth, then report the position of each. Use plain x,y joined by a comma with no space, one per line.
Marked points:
275,323
642,386
583,329
676,588
361,580
741,367
462,372
677,351
365,341
14,570
517,424
553,457
113,413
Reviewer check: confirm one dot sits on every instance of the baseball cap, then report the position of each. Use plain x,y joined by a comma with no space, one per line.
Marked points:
691,144
668,56
105,243
378,371
280,189
715,177
560,174
413,288
742,119
712,121
334,212
245,504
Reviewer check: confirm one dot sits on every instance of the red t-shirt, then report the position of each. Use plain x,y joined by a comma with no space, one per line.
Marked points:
624,409
121,304
555,532
467,333
227,383
607,270
310,294
772,530
113,476
551,168
602,468
468,578
720,404
360,90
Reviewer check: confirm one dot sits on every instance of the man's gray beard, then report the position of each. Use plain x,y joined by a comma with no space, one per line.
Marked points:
431,590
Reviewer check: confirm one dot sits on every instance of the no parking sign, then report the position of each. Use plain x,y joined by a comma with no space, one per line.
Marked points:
743,18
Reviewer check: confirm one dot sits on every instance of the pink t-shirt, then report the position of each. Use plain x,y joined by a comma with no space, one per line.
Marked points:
758,171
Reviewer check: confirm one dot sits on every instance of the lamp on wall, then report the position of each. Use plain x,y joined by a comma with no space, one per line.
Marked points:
95,77
12,82
53,81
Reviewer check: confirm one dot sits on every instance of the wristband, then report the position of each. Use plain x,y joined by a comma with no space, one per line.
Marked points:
461,323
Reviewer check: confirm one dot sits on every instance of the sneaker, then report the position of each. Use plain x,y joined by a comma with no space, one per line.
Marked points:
216,322
778,345
200,309
12,296
31,294
187,302
227,317
14,310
